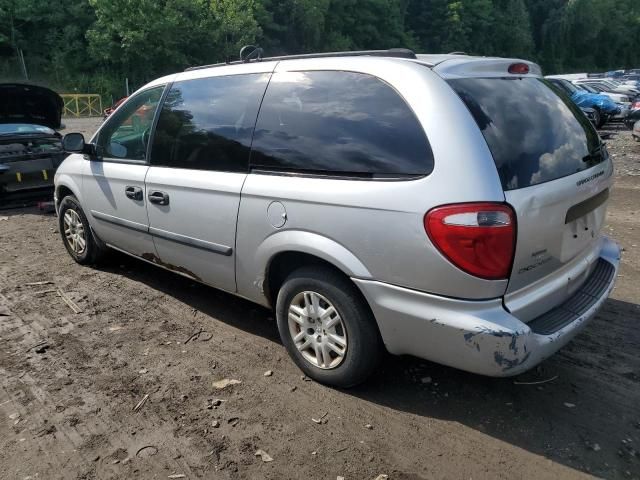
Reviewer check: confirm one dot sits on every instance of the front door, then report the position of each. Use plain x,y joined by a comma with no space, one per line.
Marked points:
113,185
199,162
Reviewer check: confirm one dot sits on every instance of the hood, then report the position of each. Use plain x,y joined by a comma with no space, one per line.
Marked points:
21,103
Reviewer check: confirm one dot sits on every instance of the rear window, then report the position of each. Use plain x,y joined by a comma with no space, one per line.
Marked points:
338,123
534,131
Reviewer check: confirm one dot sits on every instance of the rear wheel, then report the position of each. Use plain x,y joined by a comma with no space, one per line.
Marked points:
327,327
76,233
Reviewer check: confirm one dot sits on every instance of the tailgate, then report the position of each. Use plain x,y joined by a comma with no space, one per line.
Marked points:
558,241
555,173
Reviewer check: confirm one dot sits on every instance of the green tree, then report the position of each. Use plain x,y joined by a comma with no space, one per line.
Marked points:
93,45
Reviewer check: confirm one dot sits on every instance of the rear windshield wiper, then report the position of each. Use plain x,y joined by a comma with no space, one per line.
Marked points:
595,154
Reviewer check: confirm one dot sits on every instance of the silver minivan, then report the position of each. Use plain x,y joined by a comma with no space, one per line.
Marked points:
443,206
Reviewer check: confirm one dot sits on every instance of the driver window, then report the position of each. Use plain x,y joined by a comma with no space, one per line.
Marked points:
126,134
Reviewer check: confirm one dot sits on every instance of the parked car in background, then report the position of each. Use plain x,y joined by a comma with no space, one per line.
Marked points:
622,100
633,83
610,86
109,110
328,188
636,131
603,106
30,147
633,116
614,74
619,98
143,116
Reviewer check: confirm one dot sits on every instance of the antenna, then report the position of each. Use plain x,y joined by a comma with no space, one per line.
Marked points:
255,53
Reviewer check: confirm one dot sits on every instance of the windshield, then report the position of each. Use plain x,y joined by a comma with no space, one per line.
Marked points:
596,87
569,86
534,131
589,88
23,128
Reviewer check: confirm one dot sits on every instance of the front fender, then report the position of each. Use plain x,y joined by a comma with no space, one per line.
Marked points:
69,176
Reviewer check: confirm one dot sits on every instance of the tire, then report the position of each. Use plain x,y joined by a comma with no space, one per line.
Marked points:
598,118
353,325
74,228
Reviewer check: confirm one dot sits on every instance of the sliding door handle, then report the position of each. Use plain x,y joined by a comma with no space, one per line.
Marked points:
159,198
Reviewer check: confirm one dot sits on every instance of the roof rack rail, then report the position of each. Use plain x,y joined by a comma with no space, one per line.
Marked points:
392,52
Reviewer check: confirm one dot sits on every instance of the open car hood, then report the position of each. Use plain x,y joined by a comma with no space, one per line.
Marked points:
21,103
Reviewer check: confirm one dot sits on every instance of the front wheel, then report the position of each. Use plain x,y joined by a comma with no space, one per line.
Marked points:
598,119
76,233
327,327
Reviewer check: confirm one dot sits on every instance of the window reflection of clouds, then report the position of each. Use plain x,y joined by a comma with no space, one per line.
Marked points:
206,123
216,101
339,121
534,134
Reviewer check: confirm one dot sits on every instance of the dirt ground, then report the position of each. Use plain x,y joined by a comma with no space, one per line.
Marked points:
70,382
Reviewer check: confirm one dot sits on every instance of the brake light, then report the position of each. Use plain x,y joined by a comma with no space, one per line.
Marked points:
636,106
478,238
519,68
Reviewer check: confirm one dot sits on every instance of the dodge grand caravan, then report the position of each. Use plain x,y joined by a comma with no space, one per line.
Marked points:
372,199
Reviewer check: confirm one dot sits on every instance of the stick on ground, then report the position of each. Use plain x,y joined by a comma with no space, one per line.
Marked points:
76,309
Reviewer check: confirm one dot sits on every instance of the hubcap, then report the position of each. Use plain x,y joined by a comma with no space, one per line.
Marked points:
74,232
317,330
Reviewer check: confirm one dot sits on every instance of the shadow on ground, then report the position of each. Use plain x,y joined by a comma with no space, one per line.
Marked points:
583,417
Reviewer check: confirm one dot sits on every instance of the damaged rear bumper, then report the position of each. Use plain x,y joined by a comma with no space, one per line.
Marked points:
482,336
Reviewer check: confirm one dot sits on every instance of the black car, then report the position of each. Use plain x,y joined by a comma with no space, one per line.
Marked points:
30,146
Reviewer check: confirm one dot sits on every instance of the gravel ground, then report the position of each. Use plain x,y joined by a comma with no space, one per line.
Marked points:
73,369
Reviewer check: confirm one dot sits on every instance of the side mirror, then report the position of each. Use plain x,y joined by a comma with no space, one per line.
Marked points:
74,143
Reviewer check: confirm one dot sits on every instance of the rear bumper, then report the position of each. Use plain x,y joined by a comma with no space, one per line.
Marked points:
482,336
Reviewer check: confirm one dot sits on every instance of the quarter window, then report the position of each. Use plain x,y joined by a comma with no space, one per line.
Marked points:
341,123
126,133
207,123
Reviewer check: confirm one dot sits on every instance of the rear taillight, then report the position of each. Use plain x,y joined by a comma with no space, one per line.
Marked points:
478,238
519,68
636,106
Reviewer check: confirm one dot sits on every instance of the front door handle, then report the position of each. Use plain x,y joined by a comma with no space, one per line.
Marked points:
159,198
134,193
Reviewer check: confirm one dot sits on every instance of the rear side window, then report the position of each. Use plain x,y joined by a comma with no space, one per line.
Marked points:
338,123
207,123
535,133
